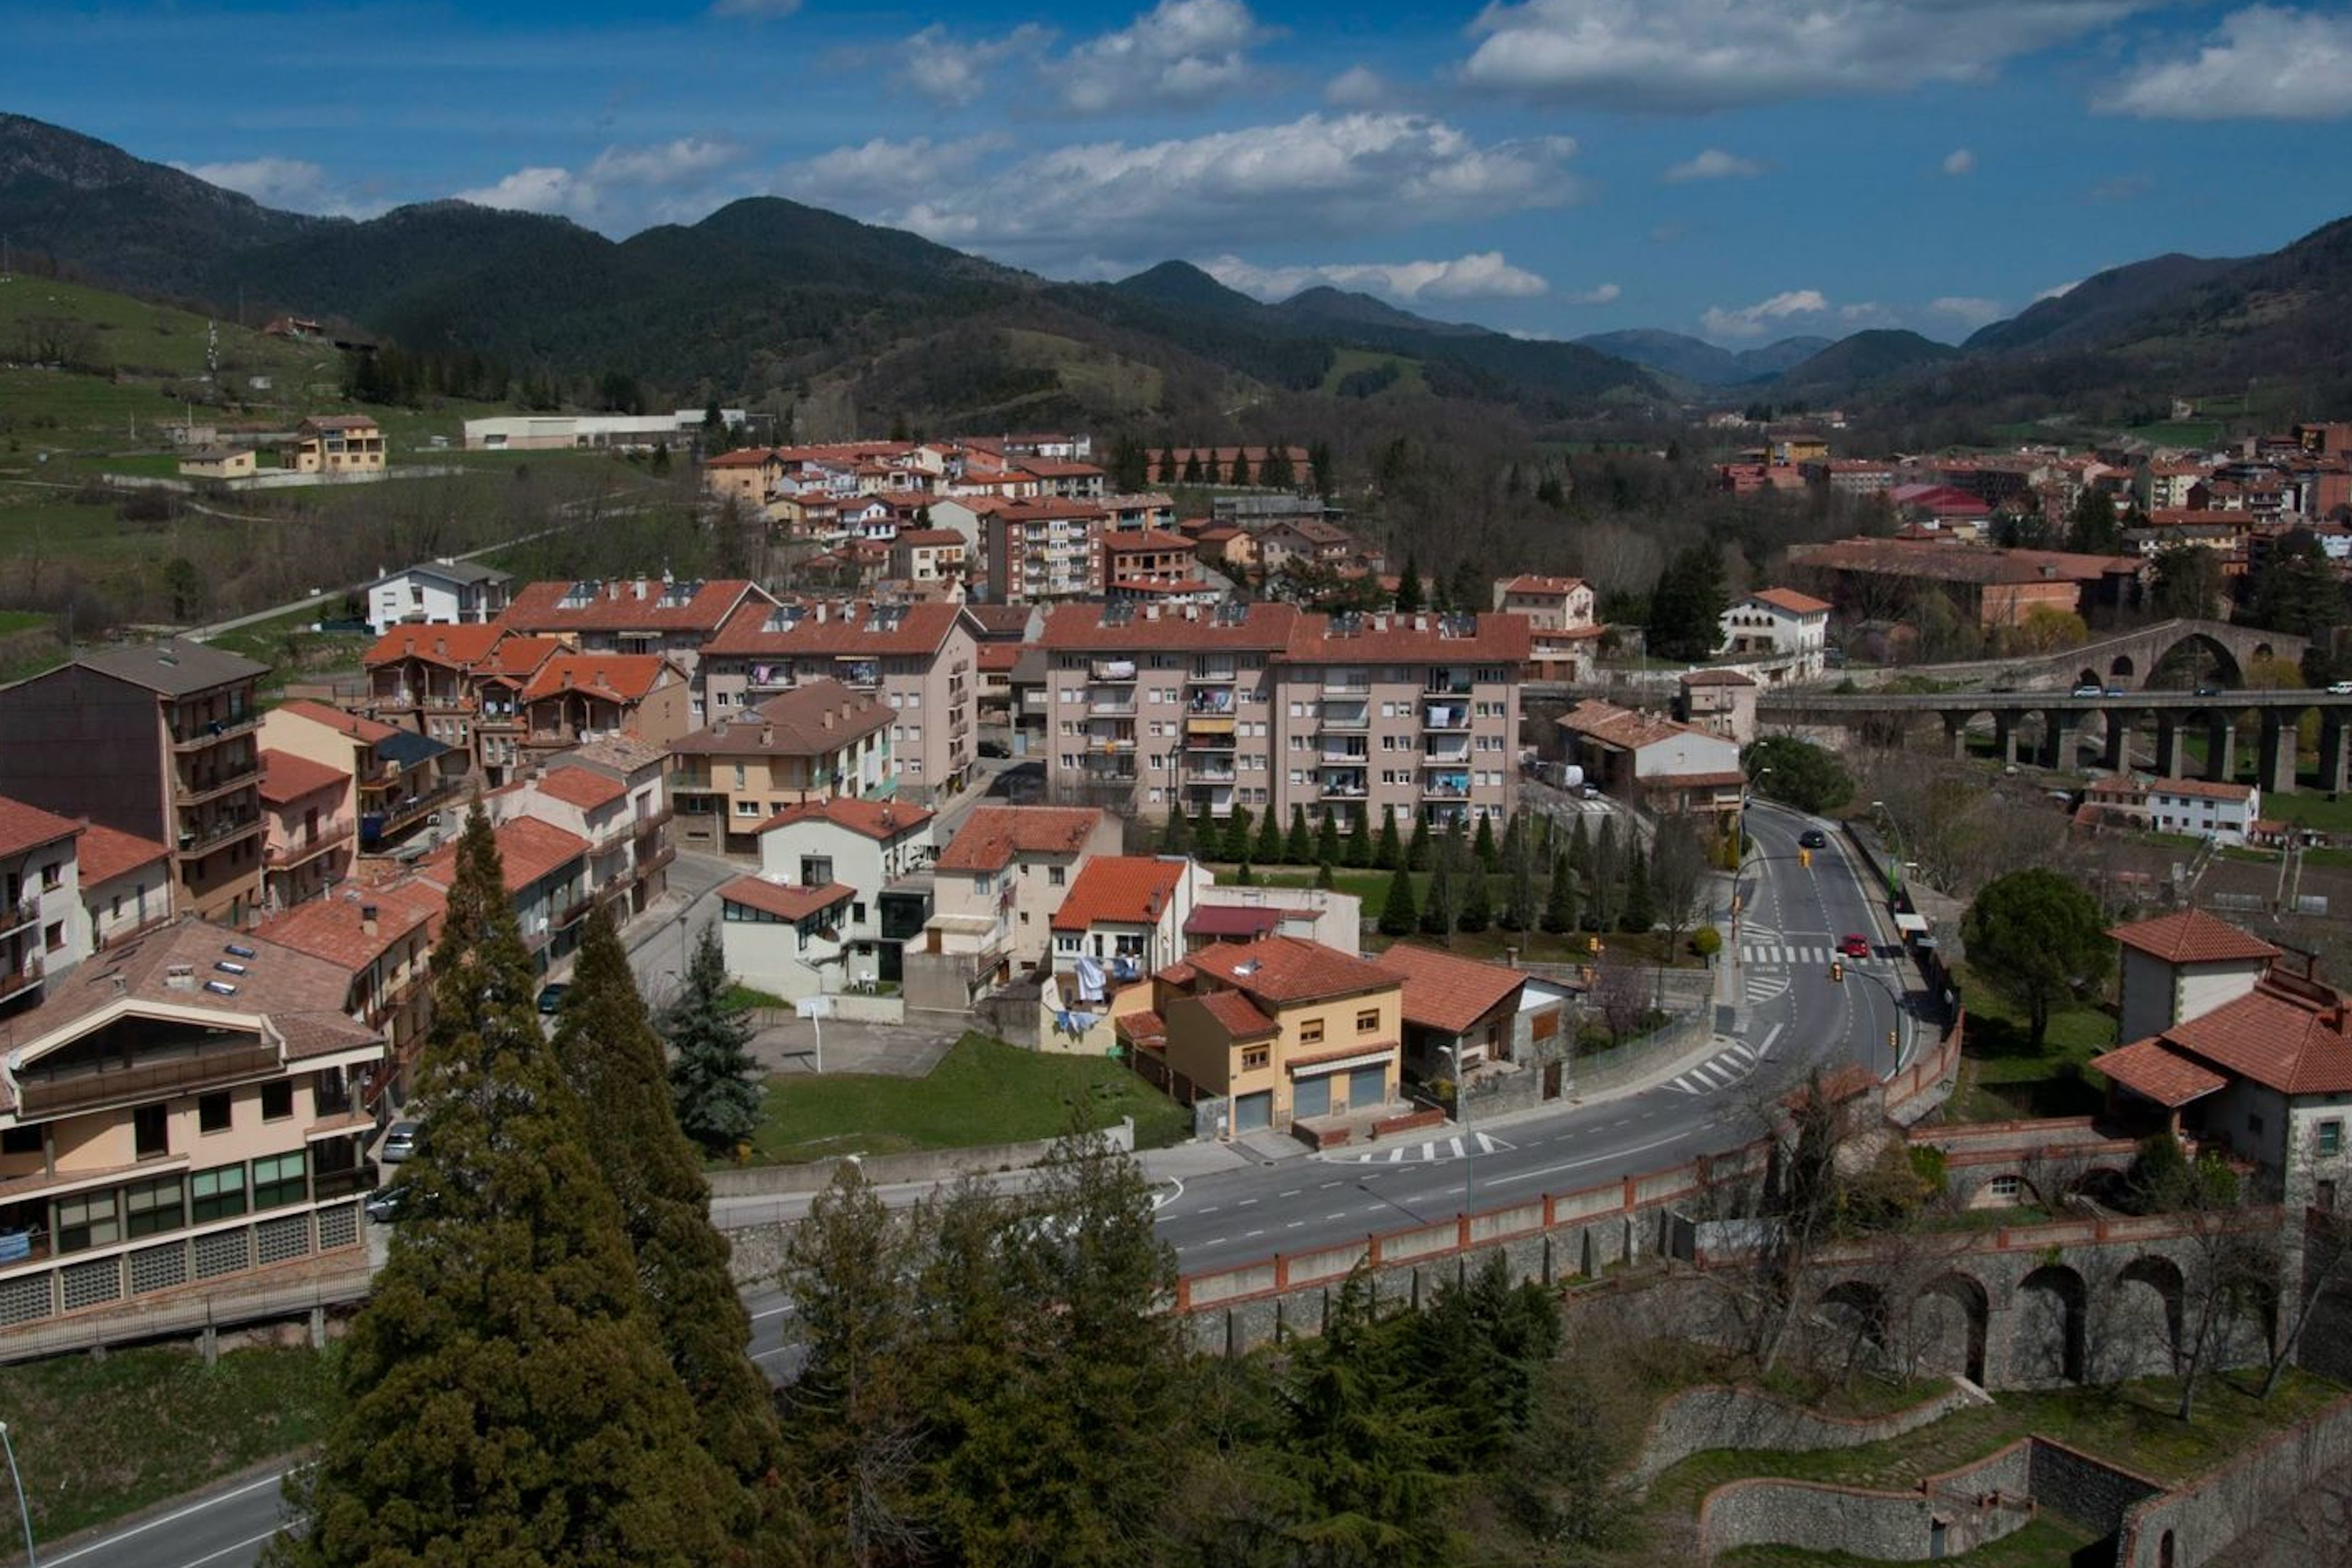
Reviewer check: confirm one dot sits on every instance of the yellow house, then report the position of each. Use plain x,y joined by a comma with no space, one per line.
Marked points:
334,444
1287,1030
219,463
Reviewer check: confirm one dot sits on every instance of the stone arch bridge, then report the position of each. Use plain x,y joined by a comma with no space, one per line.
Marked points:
2128,659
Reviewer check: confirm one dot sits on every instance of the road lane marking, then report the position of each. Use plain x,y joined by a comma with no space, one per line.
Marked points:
1589,1160
773,1312
1291,1193
1252,1235
216,1556
194,1508
1769,1036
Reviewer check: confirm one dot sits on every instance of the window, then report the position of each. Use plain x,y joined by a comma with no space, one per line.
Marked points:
21,1141
1254,1057
277,1100
87,1220
1368,1020
2331,1138
217,1193
2254,1122
53,875
1056,875
151,1132
1310,1033
53,935
746,808
278,1180
213,1113
817,870
2008,1189
155,1206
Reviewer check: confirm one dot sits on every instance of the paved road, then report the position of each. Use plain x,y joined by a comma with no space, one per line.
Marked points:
1796,1018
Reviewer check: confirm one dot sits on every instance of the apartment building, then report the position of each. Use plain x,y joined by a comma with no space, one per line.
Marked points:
577,697
546,876
180,1115
380,939
1152,564
624,827
1284,1031
126,884
928,556
42,927
427,678
497,717
1044,551
652,616
1267,707
157,741
396,779
995,889
918,660
311,832
807,742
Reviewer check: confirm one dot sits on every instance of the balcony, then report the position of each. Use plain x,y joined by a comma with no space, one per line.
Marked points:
652,821
1344,724
375,826
1446,786
22,979
1112,707
1344,759
88,1089
198,840
330,836
1446,716
1204,742
194,737
1112,671
1211,704
213,786
1208,774
649,864
1213,675
1346,686
23,912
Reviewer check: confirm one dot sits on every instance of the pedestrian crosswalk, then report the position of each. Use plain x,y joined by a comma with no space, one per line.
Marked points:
1795,952
1435,1149
1761,985
1720,1071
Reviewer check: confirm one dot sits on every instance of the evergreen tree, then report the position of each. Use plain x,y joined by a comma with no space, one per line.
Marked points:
1237,834
1243,876
1357,853
1560,899
1241,465
1686,606
1168,469
1176,837
1327,838
1477,899
1323,877
1600,887
1580,846
1397,916
1299,844
1483,846
506,1396
1417,852
1267,849
1193,467
709,1040
1641,910
1278,472
1208,834
1319,464
1390,853
1521,906
1408,593
1443,907
609,1050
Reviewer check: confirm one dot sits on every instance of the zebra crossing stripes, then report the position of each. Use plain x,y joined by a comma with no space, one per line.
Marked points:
1720,1071
1435,1149
1786,953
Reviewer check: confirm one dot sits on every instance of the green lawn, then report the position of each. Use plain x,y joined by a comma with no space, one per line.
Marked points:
2003,1078
2311,811
15,621
97,1440
2047,1542
985,1092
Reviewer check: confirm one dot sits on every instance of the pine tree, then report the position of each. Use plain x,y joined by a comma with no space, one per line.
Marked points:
1193,467
1168,469
1477,899
1408,593
1397,916
506,1396
613,1058
1601,871
1357,851
1417,852
709,1040
1208,834
1580,846
1521,906
1176,838
1444,905
1390,853
1267,849
1319,465
1299,844
1560,899
1483,846
1241,465
1327,838
1641,910
1237,834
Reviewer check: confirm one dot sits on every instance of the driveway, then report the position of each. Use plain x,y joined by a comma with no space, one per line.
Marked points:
891,1050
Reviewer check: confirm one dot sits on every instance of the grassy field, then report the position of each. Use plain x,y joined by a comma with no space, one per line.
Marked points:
2003,1078
1347,361
97,1440
2048,1541
985,1092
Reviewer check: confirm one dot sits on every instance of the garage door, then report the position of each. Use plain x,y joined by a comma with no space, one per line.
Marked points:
1253,1113
1311,1096
1367,1087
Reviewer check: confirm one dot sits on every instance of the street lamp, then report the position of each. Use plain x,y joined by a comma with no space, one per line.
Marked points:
25,1513
1462,1114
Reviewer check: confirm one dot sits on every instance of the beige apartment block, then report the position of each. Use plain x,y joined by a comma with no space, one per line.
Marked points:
808,742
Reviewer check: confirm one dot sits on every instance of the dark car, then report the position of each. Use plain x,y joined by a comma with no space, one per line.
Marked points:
2208,692
551,997
994,749
383,1205
1812,838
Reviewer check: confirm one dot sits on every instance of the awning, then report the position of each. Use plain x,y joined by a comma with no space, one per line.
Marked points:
1343,1064
1911,924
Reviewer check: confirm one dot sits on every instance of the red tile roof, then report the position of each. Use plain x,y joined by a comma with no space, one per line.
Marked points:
816,717
2200,789
286,777
2284,1041
455,648
520,654
635,603
106,853
1237,1015
528,849
1789,599
994,835
1445,993
333,928
24,828
881,820
359,729
2152,1070
580,788
1531,583
621,677
1287,969
1119,890
848,627
2192,936
1714,678
782,901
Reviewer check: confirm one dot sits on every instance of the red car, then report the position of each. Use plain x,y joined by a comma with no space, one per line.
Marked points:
1855,946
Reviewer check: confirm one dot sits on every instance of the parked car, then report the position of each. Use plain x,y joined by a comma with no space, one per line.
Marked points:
551,997
2118,691
2089,689
2339,688
1812,838
383,1205
994,749
1855,945
399,1143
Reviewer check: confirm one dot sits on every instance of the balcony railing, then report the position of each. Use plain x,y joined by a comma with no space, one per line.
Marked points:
649,864
1209,775
1345,760
330,836
23,912
190,737
395,817
1446,716
652,821
1114,706
205,837
1209,742
1344,724
1213,675
1346,686
87,1088
1112,671
10,984
196,791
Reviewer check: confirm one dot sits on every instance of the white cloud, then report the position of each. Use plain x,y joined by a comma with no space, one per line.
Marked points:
1179,52
953,70
1755,320
1959,161
758,10
2263,62
1715,163
1338,175
1699,55
1966,310
295,185
1358,87
2058,291
1482,276
1607,293
622,187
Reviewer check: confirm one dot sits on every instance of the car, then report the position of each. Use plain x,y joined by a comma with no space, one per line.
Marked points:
1855,945
2089,689
2118,691
994,749
1590,792
383,1205
399,1143
2339,688
1812,838
2213,692
551,997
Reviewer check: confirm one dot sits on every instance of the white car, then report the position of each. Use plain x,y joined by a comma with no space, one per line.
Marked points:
2339,688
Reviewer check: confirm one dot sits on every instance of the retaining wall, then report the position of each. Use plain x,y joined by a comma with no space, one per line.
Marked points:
2181,1529
889,1170
1727,1417
1946,1515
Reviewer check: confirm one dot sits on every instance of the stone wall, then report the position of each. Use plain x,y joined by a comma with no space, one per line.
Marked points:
888,1170
1946,1515
1723,1418
2184,1527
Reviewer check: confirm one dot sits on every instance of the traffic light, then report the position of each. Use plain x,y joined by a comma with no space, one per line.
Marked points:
1805,857
1891,1043
1837,970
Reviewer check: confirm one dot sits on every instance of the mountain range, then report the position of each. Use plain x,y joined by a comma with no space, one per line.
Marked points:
770,299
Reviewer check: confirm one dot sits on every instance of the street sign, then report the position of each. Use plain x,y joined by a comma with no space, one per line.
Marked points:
813,1008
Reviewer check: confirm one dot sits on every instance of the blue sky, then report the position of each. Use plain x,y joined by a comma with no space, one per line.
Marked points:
1742,170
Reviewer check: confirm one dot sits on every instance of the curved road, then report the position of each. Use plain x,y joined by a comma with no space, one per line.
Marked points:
1794,1018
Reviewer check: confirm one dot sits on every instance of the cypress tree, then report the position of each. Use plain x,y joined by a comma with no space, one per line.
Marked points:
1243,876
609,1051
1560,900
1483,846
1241,465
709,1039
1477,899
1438,915
1268,849
1416,854
1208,836
1298,845
1390,854
1323,877
1408,593
1327,839
1579,847
1176,838
1601,892
506,1396
1237,834
1357,851
1168,465
1193,467
1641,912
1397,916
1521,906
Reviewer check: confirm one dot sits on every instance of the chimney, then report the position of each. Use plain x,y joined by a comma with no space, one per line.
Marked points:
828,718
642,587
367,920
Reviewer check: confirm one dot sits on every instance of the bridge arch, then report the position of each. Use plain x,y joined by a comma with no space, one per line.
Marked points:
2145,1328
2120,668
1948,1319
2228,669
2049,1325
1854,1313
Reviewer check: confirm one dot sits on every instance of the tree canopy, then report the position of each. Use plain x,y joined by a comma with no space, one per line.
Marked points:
2037,938
1797,773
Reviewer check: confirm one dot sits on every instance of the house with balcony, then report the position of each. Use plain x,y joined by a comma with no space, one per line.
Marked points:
498,682
1564,632
157,741
126,884
1152,564
425,678
807,742
641,615
1121,921
930,555
546,874
995,889
180,1118
1784,634
786,939
882,851
626,828
334,445
439,592
642,770
579,697
1655,762
399,780
381,939
918,661
43,931
312,836
1287,1033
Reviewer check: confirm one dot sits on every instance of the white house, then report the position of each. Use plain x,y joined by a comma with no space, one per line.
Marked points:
1668,765
2203,809
785,939
870,847
437,593
1786,632
996,888
1126,915
43,931
126,884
